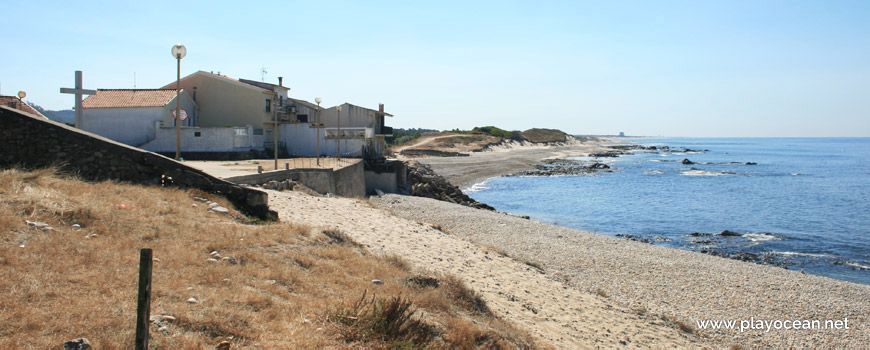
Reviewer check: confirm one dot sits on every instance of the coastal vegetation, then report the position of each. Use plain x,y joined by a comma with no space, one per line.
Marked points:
71,265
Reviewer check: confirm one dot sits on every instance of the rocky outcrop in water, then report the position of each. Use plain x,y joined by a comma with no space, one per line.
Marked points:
424,182
553,167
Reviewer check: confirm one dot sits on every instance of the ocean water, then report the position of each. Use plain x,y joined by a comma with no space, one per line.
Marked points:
805,205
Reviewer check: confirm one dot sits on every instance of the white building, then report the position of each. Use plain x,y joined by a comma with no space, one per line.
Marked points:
363,133
129,116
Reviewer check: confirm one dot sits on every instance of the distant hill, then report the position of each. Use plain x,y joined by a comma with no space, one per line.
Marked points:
544,135
67,116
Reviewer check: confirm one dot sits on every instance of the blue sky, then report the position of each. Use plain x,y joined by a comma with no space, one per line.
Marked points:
671,68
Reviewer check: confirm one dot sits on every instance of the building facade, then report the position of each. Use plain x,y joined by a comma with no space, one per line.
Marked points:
129,115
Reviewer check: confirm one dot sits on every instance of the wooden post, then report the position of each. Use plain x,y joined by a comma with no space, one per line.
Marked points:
143,311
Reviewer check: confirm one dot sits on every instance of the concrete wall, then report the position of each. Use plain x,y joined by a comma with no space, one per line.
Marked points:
209,140
385,182
346,182
30,141
130,126
390,177
300,139
134,126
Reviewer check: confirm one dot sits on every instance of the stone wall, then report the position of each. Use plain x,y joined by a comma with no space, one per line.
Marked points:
31,142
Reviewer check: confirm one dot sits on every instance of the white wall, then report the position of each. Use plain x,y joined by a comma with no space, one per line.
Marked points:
300,139
131,126
210,140
134,126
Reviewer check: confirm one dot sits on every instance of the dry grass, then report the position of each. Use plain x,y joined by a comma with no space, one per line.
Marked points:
262,286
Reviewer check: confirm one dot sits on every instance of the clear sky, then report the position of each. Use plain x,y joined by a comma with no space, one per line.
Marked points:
671,68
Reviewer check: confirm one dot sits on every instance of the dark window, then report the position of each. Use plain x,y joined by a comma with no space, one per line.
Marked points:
302,118
268,105
197,134
258,131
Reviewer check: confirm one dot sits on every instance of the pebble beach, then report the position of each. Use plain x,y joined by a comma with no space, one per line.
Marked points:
680,285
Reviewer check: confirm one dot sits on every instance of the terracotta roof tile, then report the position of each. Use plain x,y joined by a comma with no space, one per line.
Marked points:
115,98
15,102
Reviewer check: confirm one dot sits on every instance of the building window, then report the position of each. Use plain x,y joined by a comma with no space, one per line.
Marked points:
302,118
258,132
197,134
268,105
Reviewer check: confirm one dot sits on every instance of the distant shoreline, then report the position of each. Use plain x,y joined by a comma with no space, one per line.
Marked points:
507,159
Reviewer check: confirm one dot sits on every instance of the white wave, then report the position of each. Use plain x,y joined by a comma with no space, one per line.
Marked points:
759,237
706,173
796,174
857,265
481,186
809,255
653,172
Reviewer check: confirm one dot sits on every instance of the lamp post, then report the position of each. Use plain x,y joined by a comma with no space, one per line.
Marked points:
338,134
21,96
317,128
178,51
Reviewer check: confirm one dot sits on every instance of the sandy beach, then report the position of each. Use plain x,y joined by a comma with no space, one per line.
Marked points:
592,290
576,289
564,317
503,160
682,285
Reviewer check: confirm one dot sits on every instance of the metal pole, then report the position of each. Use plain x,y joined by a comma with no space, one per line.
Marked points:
275,131
178,111
338,137
143,308
317,132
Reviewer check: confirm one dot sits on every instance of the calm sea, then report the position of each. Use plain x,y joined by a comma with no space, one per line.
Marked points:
806,204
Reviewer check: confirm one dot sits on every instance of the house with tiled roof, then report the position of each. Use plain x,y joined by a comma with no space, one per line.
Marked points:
17,103
131,116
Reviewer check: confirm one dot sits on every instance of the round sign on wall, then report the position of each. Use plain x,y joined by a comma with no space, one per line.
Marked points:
183,116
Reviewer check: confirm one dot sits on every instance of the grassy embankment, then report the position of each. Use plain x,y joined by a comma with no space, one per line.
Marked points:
279,285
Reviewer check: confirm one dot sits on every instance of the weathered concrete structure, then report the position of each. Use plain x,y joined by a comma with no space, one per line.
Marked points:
346,182
30,141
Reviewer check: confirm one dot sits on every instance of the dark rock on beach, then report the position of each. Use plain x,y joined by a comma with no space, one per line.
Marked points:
747,257
424,182
729,233
553,167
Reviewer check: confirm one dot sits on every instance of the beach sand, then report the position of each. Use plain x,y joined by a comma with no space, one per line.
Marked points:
503,160
564,317
682,285
591,290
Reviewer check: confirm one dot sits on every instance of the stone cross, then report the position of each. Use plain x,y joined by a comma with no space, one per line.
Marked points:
78,91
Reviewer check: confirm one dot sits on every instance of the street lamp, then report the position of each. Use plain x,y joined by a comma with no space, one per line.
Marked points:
338,136
317,128
21,96
178,51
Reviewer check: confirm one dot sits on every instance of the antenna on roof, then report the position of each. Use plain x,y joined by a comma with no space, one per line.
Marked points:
134,80
263,74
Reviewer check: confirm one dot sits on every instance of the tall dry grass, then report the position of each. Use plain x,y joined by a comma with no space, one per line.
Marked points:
266,286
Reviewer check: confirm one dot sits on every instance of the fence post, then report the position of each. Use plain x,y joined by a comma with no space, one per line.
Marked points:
143,310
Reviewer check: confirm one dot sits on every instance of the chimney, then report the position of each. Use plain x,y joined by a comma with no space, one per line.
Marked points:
381,107
280,81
